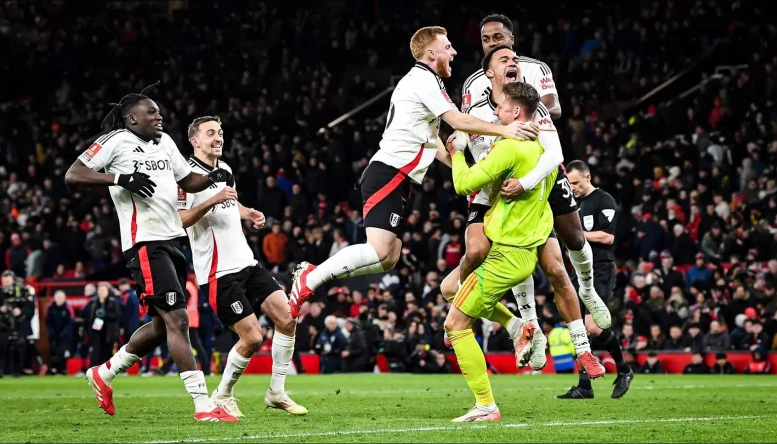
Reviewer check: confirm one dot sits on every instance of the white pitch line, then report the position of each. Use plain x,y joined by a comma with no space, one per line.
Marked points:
118,395
470,427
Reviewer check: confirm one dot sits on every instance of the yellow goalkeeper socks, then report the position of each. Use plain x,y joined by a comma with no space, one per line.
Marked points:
472,364
502,315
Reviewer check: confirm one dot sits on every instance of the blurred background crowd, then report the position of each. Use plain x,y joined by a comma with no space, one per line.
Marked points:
672,104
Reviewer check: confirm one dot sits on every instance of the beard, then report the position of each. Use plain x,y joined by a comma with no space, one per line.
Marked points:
443,69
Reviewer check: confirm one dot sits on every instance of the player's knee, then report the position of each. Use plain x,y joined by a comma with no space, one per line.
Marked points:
574,239
252,340
449,325
557,275
287,326
449,287
177,321
477,252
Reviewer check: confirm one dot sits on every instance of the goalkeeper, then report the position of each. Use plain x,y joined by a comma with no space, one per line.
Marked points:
515,228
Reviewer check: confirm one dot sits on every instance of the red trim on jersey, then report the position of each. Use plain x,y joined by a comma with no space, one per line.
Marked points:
212,282
393,183
133,221
145,270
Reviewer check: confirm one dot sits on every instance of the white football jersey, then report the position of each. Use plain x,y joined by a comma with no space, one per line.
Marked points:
535,73
219,246
479,146
141,219
409,141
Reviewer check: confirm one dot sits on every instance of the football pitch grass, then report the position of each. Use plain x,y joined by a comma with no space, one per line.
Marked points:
399,408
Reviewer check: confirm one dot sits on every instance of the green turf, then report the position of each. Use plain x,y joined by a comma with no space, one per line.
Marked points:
399,408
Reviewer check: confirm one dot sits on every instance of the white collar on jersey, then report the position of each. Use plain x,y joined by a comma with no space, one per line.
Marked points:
195,160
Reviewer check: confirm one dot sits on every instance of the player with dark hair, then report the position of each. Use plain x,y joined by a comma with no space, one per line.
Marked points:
143,169
501,66
238,288
599,216
496,30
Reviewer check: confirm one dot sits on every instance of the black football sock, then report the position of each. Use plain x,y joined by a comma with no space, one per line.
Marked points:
610,343
585,381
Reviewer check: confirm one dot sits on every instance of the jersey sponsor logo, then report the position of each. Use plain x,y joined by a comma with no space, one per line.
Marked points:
394,219
237,307
609,214
545,121
588,222
476,138
466,102
93,150
547,83
153,165
170,298
445,94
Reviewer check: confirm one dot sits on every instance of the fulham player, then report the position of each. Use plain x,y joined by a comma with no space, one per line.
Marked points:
501,66
237,286
497,30
599,215
143,169
409,145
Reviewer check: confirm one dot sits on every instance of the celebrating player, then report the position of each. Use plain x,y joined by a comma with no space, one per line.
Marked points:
516,229
497,30
237,286
144,169
501,66
409,145
599,215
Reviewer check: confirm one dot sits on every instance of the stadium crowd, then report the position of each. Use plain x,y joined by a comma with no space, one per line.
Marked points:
695,177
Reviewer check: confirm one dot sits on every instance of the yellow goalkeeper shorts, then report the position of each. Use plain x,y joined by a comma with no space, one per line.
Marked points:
504,268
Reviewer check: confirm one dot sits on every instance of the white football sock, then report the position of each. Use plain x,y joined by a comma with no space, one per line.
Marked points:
579,336
524,295
118,363
194,381
236,365
282,350
344,263
583,261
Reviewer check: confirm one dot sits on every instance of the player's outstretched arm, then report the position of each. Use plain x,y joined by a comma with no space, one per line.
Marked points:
194,183
257,217
467,180
471,124
552,156
80,174
192,216
442,153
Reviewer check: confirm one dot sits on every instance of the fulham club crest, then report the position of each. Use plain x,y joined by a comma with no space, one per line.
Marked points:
237,307
170,298
394,219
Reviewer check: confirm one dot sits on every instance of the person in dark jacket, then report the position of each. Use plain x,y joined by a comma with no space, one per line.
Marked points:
652,366
695,337
102,316
357,355
670,277
722,366
130,315
678,341
59,323
331,344
499,340
697,366
717,339
759,365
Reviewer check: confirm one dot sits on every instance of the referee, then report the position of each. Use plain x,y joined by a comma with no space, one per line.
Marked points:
598,215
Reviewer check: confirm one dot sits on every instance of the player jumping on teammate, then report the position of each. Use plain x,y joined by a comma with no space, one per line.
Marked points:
409,144
238,287
502,67
516,230
143,170
497,29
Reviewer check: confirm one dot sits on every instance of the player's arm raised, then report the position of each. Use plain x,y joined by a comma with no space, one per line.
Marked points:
467,180
191,216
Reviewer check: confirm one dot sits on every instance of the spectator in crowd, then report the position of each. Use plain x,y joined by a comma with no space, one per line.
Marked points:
339,242
130,315
717,338
330,345
695,337
498,339
759,365
678,341
652,365
699,273
59,324
669,275
722,366
562,351
274,246
755,337
657,338
697,365
102,317
357,356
